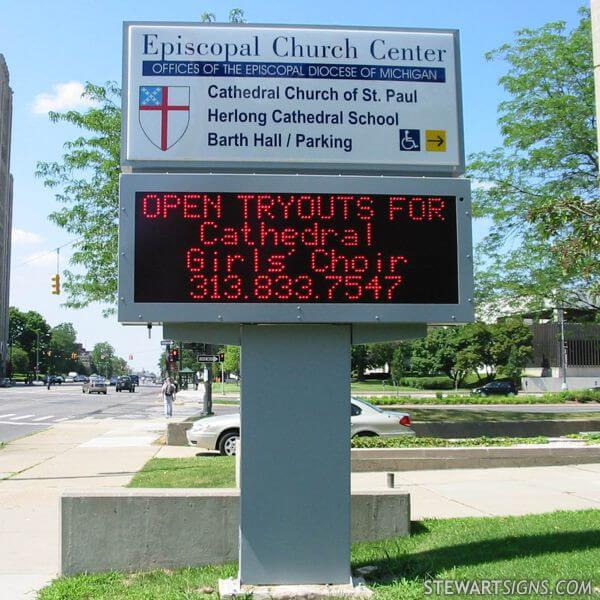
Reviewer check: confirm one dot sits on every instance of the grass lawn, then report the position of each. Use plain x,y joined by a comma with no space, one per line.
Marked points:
549,547
455,416
198,471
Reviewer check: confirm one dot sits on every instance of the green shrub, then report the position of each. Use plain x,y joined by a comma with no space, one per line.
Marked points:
441,398
432,442
427,383
592,437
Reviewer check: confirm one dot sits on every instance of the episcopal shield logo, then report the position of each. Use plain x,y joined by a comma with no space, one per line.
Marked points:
164,113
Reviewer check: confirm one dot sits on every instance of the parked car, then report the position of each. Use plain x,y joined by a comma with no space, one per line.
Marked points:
69,379
54,379
80,378
95,385
5,382
223,432
125,383
497,388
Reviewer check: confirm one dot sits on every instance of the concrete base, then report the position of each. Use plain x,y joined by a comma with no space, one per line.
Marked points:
230,589
149,529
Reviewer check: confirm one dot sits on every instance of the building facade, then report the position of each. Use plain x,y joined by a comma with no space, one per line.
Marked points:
6,192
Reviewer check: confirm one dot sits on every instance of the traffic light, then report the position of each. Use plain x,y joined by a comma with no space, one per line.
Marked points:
173,355
56,284
221,356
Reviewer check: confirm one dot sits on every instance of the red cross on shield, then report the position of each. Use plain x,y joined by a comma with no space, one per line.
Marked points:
164,114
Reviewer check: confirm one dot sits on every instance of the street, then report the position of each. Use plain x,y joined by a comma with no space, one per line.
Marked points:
27,410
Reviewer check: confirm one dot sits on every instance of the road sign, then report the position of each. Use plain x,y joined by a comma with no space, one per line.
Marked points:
166,342
209,358
294,98
286,249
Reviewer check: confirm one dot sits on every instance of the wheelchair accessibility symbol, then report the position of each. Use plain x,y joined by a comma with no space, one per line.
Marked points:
410,140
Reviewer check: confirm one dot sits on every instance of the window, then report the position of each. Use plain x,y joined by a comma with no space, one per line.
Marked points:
355,411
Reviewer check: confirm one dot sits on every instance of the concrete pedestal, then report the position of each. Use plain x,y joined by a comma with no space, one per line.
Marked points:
295,462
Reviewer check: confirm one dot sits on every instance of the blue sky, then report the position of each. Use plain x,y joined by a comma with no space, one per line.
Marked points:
51,48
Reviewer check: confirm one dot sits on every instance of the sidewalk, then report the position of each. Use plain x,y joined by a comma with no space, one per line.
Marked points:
492,492
33,472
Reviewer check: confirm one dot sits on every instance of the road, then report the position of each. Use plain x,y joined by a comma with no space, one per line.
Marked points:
25,410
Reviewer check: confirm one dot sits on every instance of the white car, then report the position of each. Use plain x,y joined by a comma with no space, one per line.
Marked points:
223,432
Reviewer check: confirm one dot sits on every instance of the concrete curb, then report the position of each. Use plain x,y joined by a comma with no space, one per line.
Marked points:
144,529
421,459
547,427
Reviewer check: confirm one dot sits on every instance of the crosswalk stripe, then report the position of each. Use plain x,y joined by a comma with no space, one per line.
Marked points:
7,415
22,417
43,418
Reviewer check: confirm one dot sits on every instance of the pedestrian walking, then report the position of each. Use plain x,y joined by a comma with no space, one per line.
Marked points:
168,391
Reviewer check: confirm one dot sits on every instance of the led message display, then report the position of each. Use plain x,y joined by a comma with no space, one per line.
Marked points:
286,247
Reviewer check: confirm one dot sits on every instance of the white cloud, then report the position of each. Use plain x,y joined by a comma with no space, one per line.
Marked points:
64,96
22,237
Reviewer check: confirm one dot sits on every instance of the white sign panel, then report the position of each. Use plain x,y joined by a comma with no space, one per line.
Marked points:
292,98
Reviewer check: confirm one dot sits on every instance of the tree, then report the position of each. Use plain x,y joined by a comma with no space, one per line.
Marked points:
103,359
232,359
401,364
381,354
438,353
86,181
19,360
25,330
360,360
510,347
62,344
540,189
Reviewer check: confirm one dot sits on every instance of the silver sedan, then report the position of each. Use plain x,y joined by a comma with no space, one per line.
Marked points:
223,432
94,386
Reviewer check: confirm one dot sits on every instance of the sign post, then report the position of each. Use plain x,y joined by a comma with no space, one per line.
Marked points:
311,200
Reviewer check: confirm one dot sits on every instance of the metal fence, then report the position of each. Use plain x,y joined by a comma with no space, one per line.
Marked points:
582,341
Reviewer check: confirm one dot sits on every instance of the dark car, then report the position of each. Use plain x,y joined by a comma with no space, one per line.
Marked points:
135,379
80,378
125,383
497,388
53,379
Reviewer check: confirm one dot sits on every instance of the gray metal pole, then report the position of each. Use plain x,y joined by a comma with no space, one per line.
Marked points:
37,356
295,462
563,349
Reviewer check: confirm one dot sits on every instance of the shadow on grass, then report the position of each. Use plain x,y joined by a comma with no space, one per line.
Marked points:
400,564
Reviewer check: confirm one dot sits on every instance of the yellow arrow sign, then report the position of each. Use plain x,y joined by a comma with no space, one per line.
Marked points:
435,140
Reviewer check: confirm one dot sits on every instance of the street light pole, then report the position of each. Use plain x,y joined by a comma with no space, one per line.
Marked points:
37,356
563,349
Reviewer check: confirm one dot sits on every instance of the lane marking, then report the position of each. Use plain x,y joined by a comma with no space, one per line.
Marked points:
7,415
61,420
22,417
30,423
43,418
